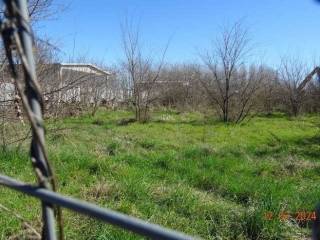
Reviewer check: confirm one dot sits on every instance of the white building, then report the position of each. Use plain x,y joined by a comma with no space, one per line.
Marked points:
76,82
69,82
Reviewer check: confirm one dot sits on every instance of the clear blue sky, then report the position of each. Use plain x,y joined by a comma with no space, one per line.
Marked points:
277,27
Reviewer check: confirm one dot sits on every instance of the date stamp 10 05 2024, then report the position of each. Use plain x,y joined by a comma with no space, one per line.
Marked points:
301,216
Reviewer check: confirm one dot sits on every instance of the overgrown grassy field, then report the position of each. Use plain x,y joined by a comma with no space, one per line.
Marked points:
181,170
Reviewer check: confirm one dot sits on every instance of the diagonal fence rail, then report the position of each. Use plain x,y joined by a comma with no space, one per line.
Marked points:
18,42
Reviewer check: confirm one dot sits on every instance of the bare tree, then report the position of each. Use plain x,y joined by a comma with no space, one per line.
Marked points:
295,77
44,9
229,84
142,71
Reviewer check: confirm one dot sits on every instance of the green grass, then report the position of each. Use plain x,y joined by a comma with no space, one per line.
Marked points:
181,170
